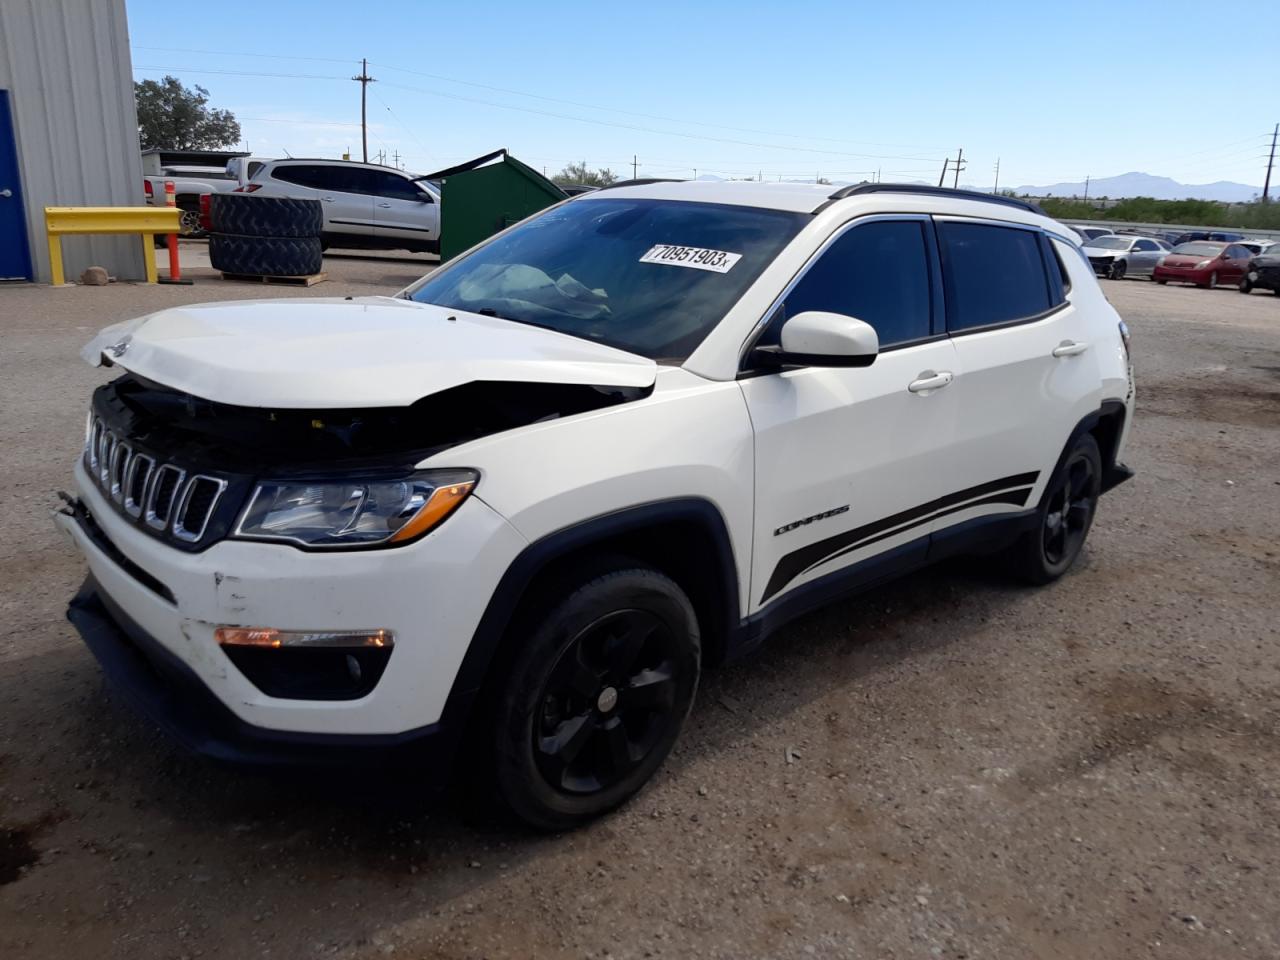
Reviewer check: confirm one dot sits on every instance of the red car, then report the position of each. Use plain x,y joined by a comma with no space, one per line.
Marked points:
1206,263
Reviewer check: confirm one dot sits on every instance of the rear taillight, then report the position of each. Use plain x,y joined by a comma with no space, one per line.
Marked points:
205,223
147,188
248,188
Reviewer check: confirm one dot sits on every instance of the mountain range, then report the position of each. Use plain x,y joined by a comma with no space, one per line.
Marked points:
1147,185
1118,187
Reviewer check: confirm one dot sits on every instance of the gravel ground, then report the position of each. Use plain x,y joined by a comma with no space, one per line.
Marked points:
951,767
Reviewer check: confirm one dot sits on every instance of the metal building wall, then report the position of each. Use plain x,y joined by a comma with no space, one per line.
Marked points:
66,66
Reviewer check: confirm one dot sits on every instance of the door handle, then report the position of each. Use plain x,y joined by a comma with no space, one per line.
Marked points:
384,205
929,381
1070,348
6,193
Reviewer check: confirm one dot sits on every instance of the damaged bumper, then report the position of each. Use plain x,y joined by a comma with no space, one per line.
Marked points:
147,602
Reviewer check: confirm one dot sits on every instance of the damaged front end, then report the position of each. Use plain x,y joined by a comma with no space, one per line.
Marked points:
183,468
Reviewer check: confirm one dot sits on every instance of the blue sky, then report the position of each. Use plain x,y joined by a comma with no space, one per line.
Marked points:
1054,91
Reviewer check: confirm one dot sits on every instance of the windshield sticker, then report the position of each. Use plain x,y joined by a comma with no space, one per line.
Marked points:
717,261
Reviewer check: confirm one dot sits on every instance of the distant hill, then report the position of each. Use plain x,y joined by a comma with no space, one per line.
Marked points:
1147,185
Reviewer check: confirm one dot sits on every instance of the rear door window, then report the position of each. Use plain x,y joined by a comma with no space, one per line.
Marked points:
992,275
304,175
877,272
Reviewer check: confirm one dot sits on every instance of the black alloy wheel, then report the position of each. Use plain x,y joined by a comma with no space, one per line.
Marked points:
606,702
1063,517
1072,501
605,670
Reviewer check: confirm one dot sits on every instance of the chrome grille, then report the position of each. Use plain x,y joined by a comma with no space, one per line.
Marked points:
161,495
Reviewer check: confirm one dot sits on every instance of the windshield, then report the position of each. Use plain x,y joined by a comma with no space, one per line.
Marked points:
649,276
1199,249
1111,243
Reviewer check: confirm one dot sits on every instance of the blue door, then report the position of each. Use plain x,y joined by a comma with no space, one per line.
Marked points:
15,257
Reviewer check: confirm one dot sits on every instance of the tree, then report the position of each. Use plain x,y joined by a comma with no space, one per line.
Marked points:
174,117
580,174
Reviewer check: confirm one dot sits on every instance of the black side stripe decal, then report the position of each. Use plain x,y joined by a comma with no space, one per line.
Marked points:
814,555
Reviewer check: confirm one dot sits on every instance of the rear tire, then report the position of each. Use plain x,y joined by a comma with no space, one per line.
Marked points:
265,256
596,696
1246,285
1063,518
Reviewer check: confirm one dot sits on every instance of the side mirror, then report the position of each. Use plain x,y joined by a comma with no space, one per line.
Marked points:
818,339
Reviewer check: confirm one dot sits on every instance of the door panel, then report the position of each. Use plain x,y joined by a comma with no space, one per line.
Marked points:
400,215
848,464
15,256
1017,403
347,208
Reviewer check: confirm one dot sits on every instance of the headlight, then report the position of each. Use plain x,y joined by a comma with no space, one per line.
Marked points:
356,512
1202,264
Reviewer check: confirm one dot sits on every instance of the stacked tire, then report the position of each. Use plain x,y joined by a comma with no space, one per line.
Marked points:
264,236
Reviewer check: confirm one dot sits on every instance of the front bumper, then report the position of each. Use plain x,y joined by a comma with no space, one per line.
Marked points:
1176,275
431,594
171,694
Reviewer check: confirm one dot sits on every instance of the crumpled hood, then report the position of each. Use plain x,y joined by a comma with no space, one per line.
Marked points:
333,352
1102,251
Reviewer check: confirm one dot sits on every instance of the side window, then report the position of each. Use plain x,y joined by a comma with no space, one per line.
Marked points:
252,170
362,181
992,274
394,187
877,272
1059,279
302,175
1146,246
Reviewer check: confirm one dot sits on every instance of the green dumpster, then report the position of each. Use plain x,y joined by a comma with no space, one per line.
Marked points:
482,196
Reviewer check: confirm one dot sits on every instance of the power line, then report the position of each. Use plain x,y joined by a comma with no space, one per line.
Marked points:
535,96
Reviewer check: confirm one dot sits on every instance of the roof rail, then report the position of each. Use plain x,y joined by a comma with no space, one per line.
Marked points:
858,189
641,182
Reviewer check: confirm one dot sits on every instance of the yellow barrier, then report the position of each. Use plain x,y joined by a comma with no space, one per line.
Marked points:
63,221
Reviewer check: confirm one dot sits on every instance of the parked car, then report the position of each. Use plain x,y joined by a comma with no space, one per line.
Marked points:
521,506
1214,235
1263,272
365,205
1256,247
1206,263
1116,257
1090,233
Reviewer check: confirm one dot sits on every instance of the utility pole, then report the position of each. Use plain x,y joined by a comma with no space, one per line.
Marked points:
1266,186
959,166
695,173
1086,188
395,158
996,187
945,164
364,80
634,165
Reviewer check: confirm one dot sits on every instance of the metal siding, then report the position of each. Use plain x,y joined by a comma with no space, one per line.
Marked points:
66,66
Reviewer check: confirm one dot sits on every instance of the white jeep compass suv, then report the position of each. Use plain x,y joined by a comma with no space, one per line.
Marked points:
532,496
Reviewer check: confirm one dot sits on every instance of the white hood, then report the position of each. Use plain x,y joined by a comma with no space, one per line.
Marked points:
331,352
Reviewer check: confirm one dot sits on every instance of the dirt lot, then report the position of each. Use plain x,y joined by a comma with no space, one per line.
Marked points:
978,770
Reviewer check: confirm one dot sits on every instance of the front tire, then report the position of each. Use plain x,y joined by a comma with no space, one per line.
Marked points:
1213,282
1117,270
1246,285
1063,519
597,695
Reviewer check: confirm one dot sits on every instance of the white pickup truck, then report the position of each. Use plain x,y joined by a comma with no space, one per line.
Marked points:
190,183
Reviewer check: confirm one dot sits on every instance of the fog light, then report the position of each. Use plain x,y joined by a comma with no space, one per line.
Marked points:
271,637
308,664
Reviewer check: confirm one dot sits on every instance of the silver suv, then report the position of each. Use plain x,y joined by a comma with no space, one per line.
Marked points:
364,204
